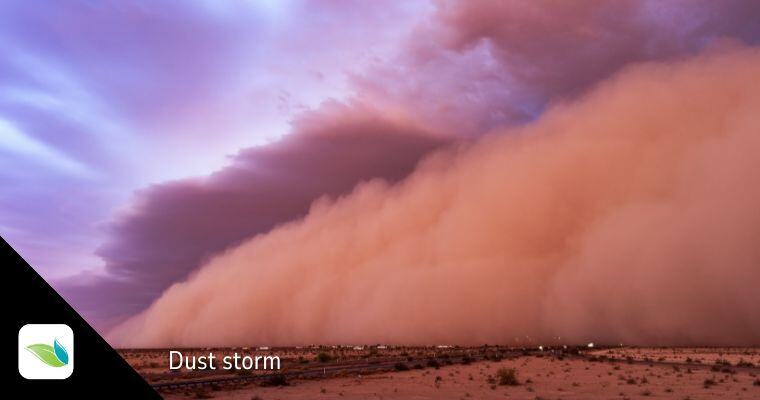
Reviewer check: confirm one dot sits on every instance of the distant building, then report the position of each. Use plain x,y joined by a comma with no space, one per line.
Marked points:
264,348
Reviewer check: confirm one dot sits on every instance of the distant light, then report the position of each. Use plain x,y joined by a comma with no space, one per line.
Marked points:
590,345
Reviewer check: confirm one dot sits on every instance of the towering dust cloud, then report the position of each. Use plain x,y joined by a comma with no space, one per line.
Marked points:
631,215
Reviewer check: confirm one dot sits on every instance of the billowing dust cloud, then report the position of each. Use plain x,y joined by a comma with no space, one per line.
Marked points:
631,215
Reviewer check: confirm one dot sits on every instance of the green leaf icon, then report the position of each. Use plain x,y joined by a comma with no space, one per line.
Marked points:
46,354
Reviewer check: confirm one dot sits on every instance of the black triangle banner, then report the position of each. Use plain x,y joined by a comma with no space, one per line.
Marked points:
98,370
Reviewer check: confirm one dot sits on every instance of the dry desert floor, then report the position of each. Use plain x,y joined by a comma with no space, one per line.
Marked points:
616,373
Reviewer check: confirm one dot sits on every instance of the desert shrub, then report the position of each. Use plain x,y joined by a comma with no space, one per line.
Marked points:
507,376
433,363
721,368
743,363
401,366
323,357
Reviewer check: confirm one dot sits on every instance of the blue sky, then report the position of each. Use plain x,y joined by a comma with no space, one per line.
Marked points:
98,99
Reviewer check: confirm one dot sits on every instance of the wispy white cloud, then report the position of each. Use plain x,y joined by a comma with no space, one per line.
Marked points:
14,140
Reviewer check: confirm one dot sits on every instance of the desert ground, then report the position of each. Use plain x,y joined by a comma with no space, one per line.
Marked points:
332,372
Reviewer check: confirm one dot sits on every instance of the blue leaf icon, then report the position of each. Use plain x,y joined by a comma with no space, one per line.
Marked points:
60,352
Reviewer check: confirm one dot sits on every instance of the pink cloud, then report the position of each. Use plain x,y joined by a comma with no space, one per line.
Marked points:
171,228
628,215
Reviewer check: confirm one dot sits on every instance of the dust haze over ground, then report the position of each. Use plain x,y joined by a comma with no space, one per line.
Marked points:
419,76
629,215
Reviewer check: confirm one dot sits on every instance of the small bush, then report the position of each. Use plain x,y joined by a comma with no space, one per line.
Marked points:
401,367
323,357
743,363
507,376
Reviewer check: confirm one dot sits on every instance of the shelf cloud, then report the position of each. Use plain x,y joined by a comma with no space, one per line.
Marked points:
449,74
629,214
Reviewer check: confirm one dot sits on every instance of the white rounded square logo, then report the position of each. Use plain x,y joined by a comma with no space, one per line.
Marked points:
45,351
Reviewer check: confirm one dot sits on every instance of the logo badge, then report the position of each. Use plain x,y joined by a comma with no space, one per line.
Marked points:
45,351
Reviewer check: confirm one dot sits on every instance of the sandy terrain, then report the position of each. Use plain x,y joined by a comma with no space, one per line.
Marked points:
723,355
539,377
